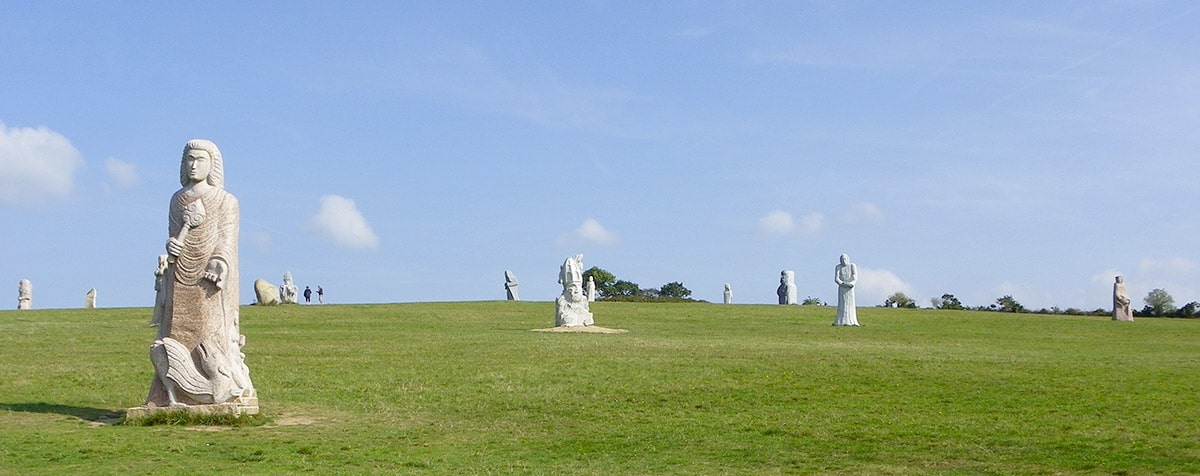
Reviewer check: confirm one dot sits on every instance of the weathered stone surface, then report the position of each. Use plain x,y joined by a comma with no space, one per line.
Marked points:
289,293
24,295
197,352
160,297
571,308
510,286
728,294
845,275
1121,302
591,289
787,287
265,293
89,301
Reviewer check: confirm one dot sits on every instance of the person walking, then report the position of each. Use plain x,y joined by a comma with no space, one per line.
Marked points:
320,295
307,295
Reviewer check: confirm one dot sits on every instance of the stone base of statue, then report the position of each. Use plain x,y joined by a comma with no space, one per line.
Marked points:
582,330
245,405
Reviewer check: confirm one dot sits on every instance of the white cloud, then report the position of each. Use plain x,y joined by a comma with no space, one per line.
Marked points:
123,173
779,222
340,221
1168,268
260,239
36,164
593,232
865,212
875,285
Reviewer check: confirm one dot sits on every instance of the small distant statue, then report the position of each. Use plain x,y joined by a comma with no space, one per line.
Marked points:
89,301
571,308
846,276
510,286
728,294
197,353
1121,309
591,289
288,291
787,287
24,295
160,297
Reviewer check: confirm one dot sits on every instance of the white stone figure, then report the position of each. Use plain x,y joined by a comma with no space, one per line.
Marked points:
510,286
728,294
160,298
787,287
846,276
197,351
591,289
24,295
1121,309
289,293
571,308
265,293
89,301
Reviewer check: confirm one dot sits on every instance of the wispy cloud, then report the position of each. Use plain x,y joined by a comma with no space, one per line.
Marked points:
123,173
591,231
339,220
864,213
780,222
36,164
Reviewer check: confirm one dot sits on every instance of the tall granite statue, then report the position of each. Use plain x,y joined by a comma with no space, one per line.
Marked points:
591,289
24,295
289,293
160,298
571,308
197,352
846,276
787,287
89,301
1121,302
510,286
728,294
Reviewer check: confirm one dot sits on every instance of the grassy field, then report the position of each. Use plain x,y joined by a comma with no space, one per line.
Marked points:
466,388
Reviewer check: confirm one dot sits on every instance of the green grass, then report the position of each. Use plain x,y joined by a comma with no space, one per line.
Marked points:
465,388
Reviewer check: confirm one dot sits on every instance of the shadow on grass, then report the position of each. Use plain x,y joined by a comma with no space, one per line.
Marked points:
94,415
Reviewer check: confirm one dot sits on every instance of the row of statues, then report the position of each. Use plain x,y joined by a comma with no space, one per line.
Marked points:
25,296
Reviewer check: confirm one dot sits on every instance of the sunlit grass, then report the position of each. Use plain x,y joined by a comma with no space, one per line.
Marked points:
452,388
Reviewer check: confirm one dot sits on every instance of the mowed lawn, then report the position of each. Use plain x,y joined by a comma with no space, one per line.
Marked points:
466,388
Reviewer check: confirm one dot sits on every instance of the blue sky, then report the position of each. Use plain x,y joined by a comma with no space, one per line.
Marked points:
413,151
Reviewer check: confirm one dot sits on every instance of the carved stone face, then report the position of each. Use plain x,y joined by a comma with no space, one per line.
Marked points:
845,259
198,164
574,293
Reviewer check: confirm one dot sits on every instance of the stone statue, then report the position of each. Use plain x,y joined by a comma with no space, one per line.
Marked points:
787,287
591,289
846,276
265,293
89,301
197,352
571,308
1121,301
289,293
728,294
160,298
510,286
24,295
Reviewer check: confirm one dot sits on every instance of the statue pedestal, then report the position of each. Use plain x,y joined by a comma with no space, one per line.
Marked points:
238,407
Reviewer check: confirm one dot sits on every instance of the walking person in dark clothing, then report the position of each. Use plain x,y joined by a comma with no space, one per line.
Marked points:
307,295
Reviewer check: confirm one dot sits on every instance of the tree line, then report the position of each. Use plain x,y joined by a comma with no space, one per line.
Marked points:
609,288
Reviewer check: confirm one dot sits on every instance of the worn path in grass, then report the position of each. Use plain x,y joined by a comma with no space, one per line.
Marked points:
452,388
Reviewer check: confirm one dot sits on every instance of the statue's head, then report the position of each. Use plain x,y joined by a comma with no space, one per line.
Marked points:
201,162
1120,279
287,277
845,258
574,293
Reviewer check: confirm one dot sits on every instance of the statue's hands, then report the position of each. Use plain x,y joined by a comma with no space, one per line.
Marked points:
216,272
174,246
